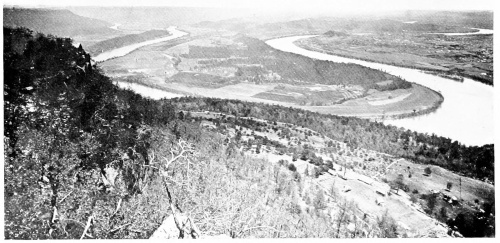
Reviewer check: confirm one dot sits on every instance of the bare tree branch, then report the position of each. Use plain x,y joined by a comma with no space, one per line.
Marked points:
120,227
89,222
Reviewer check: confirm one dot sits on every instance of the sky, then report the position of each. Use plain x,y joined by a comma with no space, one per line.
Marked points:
294,5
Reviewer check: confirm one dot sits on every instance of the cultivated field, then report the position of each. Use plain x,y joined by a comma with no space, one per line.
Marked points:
448,56
385,104
175,69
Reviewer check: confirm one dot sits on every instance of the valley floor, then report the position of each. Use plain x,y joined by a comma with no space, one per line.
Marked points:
158,66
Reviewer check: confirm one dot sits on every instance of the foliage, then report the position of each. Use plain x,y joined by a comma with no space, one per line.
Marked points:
125,40
68,128
449,185
428,171
475,224
60,22
65,123
319,201
388,226
473,161
271,61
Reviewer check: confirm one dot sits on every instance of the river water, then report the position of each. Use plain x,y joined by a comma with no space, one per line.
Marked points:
480,32
466,114
147,91
138,88
122,51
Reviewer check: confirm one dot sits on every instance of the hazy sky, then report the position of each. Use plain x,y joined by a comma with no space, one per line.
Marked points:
295,5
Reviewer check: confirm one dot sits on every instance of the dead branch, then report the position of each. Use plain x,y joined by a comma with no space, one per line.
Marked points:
118,228
137,231
182,149
258,227
117,207
186,225
89,222
62,199
54,215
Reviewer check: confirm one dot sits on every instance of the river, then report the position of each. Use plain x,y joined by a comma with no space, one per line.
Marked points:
122,51
147,91
466,114
138,88
479,32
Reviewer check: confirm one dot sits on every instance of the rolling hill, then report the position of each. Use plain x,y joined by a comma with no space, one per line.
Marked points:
55,22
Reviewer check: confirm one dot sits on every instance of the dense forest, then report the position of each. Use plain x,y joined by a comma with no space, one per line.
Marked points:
66,127
64,123
125,40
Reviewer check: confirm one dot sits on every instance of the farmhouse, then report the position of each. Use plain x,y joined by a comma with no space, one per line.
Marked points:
381,189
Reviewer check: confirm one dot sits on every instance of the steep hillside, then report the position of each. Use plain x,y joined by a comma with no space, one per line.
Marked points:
125,40
87,160
141,18
56,22
84,159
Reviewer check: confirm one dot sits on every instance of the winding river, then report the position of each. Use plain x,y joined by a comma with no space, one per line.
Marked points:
466,115
138,88
122,51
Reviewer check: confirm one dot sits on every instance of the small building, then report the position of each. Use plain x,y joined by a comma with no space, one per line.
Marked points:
382,189
379,201
381,192
346,189
365,179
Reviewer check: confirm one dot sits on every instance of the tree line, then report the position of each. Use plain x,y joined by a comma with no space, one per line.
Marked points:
472,161
66,125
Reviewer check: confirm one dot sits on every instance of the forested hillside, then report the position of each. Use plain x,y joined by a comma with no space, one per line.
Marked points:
87,160
54,21
84,159
121,41
64,123
476,162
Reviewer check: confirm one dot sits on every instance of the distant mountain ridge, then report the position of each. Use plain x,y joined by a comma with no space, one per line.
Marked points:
54,21
141,18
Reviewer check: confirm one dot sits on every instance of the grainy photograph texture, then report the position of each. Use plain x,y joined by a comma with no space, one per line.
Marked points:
248,119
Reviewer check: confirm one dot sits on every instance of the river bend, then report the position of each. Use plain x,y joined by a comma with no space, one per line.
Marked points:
466,114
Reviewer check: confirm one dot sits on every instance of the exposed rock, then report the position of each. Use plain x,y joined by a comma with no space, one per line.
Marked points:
170,230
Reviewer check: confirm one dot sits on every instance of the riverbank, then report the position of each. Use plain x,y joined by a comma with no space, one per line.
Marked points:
388,105
121,41
164,68
465,115
449,65
122,51
425,111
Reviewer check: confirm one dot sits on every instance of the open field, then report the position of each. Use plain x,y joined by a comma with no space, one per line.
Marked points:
446,55
316,95
367,173
470,190
386,104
